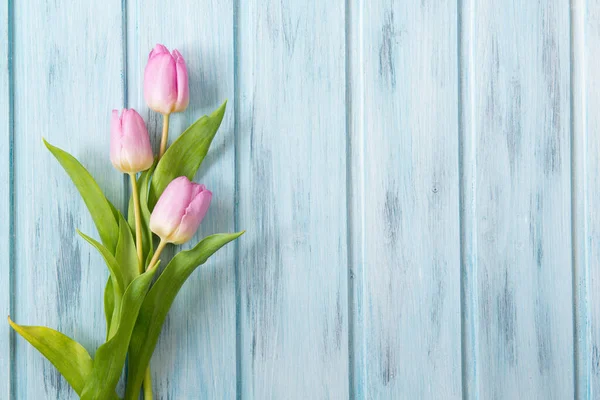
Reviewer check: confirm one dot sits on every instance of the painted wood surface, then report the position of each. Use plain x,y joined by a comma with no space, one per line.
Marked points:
6,336
406,269
586,99
293,315
517,179
196,355
66,81
417,181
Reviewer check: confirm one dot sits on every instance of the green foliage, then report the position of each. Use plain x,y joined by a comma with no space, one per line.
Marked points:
68,356
126,254
111,262
158,302
135,311
142,183
110,357
99,207
109,303
184,156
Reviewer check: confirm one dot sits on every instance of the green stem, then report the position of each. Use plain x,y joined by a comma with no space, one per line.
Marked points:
148,384
138,223
148,376
159,249
165,136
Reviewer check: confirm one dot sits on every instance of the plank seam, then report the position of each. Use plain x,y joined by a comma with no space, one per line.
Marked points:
579,204
468,239
349,214
11,194
359,374
236,197
363,282
124,77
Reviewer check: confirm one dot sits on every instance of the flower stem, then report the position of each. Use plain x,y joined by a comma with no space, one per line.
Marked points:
159,249
138,223
148,376
148,384
165,136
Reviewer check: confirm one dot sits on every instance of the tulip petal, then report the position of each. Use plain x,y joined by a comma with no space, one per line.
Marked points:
158,49
193,216
171,206
183,90
160,82
130,150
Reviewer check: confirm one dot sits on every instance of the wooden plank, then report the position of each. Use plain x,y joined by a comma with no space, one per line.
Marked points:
582,219
586,124
406,259
516,120
196,354
292,200
68,76
5,198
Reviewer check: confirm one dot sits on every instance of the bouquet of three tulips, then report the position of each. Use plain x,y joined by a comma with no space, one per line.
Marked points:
164,203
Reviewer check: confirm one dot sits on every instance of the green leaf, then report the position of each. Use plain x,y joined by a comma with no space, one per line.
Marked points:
68,356
112,299
158,302
126,254
109,303
110,357
142,184
97,204
184,156
110,260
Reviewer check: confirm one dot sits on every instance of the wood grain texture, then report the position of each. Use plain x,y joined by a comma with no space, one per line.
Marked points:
418,182
5,199
516,120
292,200
68,75
405,142
196,353
582,162
586,103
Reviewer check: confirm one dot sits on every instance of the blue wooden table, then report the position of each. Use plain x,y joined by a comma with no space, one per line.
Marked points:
418,181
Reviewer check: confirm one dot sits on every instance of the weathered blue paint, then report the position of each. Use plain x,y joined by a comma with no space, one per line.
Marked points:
417,181
196,354
406,264
67,76
517,197
6,337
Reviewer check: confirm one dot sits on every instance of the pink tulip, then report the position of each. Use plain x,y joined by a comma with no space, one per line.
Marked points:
179,210
130,149
166,81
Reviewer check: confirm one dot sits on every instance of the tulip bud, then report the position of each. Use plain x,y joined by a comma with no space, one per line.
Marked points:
179,210
166,81
130,149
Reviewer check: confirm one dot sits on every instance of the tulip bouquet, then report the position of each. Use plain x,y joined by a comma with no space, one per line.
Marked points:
165,207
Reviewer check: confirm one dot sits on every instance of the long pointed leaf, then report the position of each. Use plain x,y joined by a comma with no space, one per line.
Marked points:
113,292
184,156
109,303
110,260
158,302
68,356
97,204
142,184
126,254
110,357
